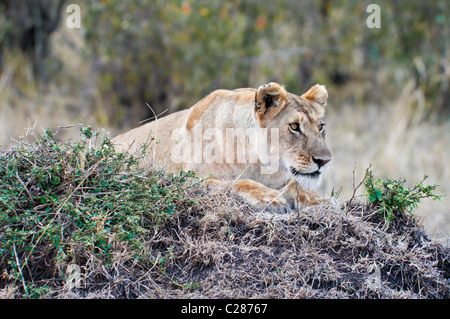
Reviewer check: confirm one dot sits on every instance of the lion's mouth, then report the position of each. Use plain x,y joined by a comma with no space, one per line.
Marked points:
297,173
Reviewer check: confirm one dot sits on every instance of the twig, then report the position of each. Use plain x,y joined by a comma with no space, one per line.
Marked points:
356,188
63,127
23,185
156,128
153,117
20,270
353,175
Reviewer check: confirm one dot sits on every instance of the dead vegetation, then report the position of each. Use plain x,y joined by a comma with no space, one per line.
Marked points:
196,242
226,250
223,249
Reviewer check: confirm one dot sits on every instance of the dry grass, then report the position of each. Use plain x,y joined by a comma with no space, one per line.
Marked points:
223,249
319,252
400,143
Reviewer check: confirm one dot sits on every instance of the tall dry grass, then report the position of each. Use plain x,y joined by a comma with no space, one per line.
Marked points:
69,99
400,143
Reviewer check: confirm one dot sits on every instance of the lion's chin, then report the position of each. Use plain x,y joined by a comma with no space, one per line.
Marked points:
297,173
311,181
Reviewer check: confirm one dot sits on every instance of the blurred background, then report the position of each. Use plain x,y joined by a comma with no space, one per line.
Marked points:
389,97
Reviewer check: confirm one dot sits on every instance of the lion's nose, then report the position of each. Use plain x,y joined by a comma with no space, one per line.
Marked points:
321,161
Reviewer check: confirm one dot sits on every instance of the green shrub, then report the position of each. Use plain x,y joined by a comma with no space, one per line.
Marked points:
66,202
393,198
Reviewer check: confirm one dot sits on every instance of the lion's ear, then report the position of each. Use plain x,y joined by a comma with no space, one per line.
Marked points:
269,100
318,93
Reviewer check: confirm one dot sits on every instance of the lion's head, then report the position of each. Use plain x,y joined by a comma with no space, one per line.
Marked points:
302,148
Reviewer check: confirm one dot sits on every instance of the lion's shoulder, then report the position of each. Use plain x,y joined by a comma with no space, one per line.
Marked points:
217,98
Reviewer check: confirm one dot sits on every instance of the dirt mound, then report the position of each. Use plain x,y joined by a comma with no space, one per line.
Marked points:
224,249
228,251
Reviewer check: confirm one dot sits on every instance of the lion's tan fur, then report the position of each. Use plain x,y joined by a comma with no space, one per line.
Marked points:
270,107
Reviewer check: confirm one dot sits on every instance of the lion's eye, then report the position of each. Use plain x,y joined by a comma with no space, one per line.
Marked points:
321,127
295,127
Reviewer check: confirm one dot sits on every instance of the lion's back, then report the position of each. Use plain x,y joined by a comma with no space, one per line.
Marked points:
158,131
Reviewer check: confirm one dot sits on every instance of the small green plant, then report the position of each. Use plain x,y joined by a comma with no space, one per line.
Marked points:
393,198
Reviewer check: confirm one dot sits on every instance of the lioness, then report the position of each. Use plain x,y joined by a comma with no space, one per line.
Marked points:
271,143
